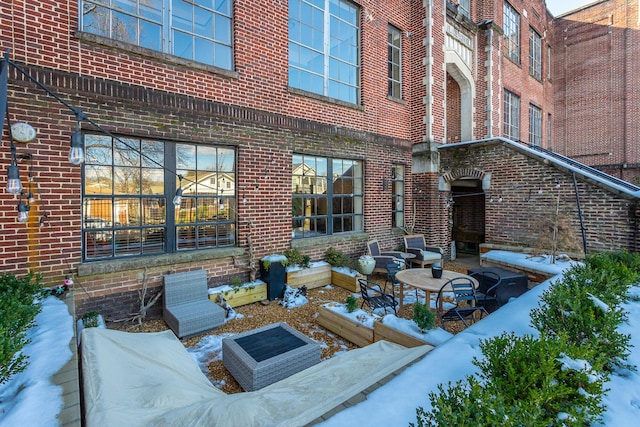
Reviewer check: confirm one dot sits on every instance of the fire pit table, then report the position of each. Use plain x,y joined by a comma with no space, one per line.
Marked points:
269,354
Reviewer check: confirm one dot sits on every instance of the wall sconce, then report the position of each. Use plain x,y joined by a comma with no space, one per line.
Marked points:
76,153
500,197
23,210
177,200
43,219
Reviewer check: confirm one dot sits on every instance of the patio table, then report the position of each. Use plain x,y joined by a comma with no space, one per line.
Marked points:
421,278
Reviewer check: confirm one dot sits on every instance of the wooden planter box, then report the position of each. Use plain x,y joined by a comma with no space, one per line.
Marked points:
384,332
312,277
346,281
243,295
352,331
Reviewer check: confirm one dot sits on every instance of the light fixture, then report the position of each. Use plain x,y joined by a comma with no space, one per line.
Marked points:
244,198
221,204
500,197
14,186
76,153
177,200
23,211
539,190
43,219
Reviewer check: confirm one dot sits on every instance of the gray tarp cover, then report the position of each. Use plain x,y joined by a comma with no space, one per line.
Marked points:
149,379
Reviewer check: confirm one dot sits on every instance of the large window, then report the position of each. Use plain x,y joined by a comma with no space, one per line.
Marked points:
199,30
395,63
511,33
535,54
397,195
326,196
535,125
128,190
324,48
511,115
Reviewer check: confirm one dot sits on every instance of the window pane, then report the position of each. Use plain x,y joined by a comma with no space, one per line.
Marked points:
98,149
153,240
204,51
97,180
150,35
183,45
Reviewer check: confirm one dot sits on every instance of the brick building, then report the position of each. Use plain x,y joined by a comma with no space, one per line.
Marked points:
299,123
596,77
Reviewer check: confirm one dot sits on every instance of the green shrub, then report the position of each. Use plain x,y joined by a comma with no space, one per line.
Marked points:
296,257
352,303
544,376
582,308
90,319
18,309
235,282
469,404
337,258
423,317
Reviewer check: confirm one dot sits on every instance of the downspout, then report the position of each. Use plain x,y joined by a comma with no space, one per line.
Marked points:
584,237
428,62
489,80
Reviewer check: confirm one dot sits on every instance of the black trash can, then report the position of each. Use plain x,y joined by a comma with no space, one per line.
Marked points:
272,272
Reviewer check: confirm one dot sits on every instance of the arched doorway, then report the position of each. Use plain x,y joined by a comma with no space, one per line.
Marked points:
468,214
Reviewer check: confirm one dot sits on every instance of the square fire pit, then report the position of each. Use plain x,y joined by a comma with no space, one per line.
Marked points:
269,354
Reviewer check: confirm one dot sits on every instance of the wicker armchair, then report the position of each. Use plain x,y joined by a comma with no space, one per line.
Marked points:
187,307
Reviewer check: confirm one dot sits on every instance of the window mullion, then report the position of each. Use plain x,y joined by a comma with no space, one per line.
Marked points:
170,191
326,46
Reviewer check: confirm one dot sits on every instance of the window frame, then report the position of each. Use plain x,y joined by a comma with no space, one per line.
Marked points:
154,229
535,54
165,24
464,6
308,199
397,195
325,59
511,19
394,62
535,125
511,121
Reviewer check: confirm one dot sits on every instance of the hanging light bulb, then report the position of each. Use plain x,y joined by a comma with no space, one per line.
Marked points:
14,186
221,204
177,200
76,153
23,211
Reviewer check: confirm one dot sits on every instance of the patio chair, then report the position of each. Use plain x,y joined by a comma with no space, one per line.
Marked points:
187,307
424,255
376,298
392,269
465,304
495,290
383,258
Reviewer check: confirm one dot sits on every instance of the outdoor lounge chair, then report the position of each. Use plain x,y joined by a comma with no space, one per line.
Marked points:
187,307
465,302
424,255
375,297
383,258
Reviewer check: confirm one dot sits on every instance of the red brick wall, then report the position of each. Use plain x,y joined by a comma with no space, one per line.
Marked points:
597,83
530,191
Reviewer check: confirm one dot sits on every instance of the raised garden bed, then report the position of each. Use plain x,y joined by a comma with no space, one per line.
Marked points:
245,294
315,276
388,333
346,279
356,332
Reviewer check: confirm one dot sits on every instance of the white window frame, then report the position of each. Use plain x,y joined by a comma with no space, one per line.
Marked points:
511,124
511,32
535,125
535,54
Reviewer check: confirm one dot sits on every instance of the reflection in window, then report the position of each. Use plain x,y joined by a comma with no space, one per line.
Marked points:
535,54
397,195
535,125
326,196
394,63
127,183
199,30
511,33
511,115
324,48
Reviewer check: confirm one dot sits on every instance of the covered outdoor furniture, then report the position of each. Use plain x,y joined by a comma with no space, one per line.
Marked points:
383,258
187,307
375,298
464,302
424,255
497,286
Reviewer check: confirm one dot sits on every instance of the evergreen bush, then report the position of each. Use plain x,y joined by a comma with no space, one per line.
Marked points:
19,306
423,317
352,303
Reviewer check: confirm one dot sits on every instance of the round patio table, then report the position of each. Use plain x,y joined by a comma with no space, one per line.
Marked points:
421,278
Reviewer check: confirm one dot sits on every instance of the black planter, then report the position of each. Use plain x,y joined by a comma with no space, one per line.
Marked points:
274,277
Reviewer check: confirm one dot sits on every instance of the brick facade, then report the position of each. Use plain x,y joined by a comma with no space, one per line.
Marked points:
449,94
597,80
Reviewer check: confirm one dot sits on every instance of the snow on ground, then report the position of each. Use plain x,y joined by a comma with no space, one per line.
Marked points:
30,399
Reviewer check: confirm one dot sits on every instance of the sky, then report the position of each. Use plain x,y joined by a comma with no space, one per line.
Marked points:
558,7
30,399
